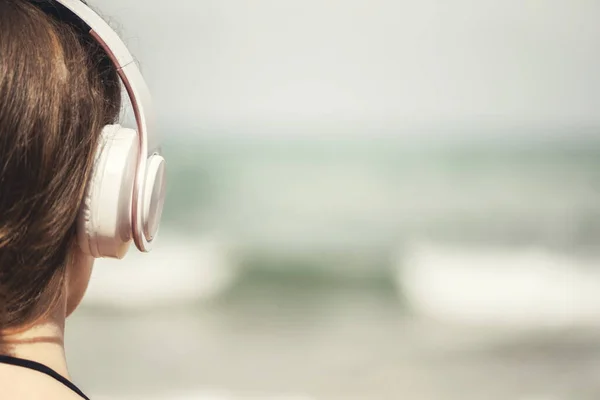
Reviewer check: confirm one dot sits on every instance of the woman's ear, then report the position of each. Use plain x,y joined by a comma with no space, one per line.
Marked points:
79,272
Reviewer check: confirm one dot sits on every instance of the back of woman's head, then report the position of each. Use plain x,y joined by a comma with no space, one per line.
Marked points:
57,91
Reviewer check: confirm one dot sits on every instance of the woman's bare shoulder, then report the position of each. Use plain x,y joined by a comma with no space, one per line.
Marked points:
24,384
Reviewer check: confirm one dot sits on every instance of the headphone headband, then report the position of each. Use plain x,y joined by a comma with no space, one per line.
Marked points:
141,102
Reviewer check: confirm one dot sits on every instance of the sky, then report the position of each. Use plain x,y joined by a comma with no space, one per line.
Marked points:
386,63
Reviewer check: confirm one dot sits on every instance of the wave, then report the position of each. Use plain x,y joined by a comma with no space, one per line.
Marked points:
515,287
528,287
180,269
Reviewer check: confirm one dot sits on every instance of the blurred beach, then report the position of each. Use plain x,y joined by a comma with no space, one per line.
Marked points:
352,348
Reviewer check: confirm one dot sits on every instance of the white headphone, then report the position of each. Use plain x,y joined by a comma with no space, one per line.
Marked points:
126,191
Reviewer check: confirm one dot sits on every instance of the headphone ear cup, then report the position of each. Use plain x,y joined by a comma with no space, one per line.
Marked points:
104,227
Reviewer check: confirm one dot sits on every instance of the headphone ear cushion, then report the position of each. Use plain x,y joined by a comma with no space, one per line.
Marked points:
104,226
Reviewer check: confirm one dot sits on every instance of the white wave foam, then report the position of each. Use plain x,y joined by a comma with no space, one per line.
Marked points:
493,286
179,269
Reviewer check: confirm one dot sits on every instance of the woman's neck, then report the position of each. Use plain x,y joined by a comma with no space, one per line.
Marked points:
42,342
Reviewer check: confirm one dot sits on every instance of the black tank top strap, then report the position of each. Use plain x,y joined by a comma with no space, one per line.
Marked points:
44,370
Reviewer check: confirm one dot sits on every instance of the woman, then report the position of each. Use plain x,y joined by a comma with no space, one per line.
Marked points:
58,89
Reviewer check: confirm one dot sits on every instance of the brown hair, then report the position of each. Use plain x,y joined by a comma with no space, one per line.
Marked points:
57,90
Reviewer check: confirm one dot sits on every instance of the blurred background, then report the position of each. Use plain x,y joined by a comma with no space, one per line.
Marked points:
367,199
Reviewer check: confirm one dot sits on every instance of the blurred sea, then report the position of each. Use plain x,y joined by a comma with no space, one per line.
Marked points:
357,268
